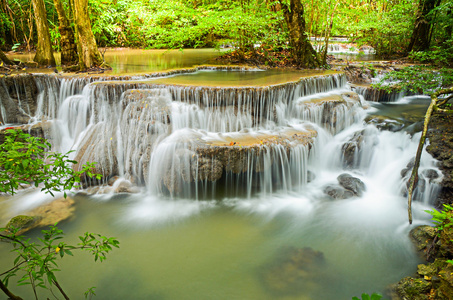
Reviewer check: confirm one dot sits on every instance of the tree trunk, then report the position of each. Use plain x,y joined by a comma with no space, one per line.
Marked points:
5,59
303,52
421,36
89,55
44,55
67,40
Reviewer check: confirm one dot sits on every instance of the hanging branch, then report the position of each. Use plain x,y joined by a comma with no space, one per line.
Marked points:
433,106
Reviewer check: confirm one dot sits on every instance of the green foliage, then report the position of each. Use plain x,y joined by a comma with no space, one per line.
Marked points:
24,159
38,262
436,56
417,79
365,296
442,219
387,30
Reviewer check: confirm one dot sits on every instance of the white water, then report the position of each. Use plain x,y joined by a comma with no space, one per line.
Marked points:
364,239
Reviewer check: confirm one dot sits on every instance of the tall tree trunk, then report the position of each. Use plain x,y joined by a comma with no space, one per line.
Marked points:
44,55
67,40
421,35
303,52
89,55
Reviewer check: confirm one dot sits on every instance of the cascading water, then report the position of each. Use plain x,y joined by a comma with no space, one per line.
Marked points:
275,156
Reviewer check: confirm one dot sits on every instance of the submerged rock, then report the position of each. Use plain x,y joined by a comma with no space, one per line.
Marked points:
295,271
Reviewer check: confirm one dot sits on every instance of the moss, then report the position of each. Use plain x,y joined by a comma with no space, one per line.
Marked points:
414,288
20,222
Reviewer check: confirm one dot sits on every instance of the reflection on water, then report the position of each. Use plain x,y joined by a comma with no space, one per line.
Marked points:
240,78
138,61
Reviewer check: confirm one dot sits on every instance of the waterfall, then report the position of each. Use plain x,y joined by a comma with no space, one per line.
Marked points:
205,142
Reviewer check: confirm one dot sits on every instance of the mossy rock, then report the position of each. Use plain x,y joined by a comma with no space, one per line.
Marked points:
413,288
21,223
446,237
446,281
422,236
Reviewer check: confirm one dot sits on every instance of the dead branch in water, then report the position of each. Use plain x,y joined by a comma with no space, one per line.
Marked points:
433,106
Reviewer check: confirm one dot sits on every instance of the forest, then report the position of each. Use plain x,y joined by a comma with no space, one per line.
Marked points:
274,31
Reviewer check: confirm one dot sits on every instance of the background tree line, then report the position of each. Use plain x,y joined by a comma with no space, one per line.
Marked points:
392,27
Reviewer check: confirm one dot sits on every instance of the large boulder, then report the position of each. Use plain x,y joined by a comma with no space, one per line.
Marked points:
46,215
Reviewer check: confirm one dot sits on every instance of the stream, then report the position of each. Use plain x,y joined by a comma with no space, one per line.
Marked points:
264,228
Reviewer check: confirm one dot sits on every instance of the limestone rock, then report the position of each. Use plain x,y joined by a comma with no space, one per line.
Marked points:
46,215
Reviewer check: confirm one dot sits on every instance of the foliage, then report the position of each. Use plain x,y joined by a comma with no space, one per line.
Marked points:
39,261
416,79
436,56
24,159
365,296
442,219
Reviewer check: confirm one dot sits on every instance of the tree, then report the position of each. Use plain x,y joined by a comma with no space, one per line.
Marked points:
44,54
5,59
422,33
89,55
301,48
24,159
67,39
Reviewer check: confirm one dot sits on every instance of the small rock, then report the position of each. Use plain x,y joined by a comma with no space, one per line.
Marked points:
353,184
337,192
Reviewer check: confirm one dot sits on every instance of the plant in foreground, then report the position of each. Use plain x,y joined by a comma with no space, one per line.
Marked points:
365,296
24,159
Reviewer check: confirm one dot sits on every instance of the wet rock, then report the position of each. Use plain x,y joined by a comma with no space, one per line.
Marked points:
429,270
310,176
446,282
352,184
358,75
22,223
18,96
207,169
338,192
351,149
406,171
384,123
46,215
332,109
125,186
370,93
430,174
422,236
112,180
413,288
294,271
